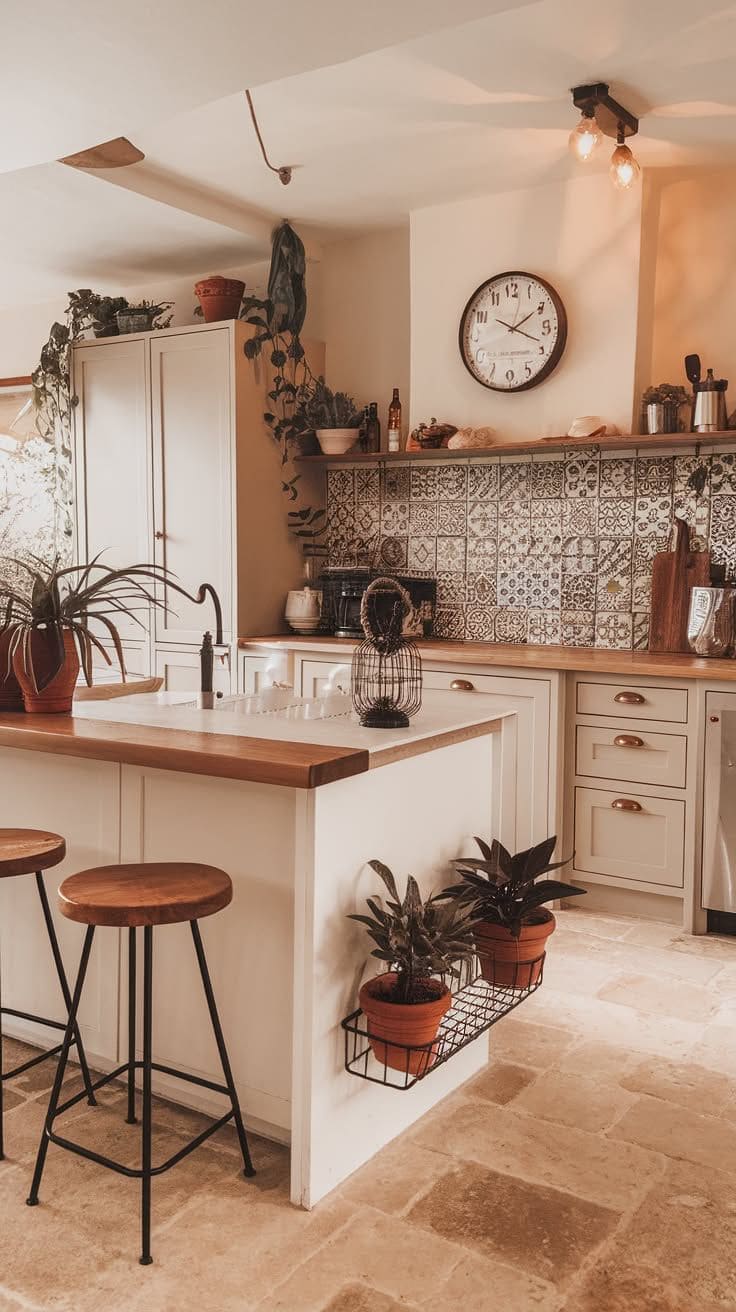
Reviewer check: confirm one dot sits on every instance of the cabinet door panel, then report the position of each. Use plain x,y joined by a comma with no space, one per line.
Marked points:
112,458
190,387
181,671
627,836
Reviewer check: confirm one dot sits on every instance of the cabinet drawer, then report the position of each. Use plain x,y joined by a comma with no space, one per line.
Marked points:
632,703
644,844
317,675
641,757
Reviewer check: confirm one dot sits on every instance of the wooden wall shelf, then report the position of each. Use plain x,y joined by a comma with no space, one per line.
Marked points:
635,443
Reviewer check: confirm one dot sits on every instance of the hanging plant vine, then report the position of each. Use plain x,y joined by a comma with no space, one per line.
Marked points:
278,319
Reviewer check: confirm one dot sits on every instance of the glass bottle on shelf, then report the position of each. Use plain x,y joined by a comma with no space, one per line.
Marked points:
373,441
394,422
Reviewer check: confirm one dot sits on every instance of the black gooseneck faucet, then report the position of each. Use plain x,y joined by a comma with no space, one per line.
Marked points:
206,651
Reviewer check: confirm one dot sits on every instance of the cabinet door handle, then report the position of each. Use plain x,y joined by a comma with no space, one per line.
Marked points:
627,740
629,699
626,804
462,685
159,535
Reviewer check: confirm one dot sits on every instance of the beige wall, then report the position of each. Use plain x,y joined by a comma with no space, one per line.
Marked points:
364,316
688,288
581,236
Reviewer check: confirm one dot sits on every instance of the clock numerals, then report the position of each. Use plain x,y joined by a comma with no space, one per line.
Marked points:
495,297
546,327
513,332
528,368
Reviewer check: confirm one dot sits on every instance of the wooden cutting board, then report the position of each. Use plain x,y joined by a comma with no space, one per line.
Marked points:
674,573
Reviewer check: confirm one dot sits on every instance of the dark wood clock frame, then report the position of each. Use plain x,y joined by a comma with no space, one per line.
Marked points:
557,353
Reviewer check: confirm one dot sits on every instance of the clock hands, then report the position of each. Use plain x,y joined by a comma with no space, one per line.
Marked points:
516,329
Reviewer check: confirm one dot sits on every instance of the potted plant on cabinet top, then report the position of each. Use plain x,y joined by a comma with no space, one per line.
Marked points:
219,298
511,925
333,416
144,316
47,632
418,941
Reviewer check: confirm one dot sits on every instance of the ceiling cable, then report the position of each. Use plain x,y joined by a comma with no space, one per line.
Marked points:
285,171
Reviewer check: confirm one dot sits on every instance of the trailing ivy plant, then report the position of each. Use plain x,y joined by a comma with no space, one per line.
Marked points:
278,319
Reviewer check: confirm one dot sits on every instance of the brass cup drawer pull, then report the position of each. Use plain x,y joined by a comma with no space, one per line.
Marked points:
462,685
629,699
627,740
626,804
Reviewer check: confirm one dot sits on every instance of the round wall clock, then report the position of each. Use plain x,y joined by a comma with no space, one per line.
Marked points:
513,332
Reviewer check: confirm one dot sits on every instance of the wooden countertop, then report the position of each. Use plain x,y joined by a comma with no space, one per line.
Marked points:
594,660
256,760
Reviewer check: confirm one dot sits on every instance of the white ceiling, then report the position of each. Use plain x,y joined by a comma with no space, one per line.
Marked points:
384,107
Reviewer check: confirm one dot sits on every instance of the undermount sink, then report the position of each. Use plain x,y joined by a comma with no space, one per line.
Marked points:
287,705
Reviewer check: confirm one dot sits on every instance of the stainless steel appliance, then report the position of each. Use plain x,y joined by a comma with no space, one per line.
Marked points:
710,411
719,806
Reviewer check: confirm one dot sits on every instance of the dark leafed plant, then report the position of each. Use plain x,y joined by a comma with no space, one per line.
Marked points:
50,599
278,319
503,888
416,939
323,408
156,312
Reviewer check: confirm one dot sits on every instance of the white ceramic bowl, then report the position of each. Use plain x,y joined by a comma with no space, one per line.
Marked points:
336,441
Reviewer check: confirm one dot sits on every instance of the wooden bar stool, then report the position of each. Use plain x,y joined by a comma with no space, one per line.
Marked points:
128,896
30,852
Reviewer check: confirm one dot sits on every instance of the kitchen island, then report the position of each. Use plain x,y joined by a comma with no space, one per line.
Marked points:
293,808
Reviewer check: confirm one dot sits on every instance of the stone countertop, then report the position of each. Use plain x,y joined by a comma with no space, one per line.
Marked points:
168,735
593,660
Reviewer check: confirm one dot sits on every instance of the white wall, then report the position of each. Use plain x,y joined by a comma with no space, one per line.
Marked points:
364,317
584,238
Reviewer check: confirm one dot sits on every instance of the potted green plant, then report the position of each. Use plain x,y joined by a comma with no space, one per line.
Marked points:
144,316
104,315
332,416
47,631
662,405
502,893
421,943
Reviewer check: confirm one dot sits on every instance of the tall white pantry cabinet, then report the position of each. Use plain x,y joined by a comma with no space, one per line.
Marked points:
174,465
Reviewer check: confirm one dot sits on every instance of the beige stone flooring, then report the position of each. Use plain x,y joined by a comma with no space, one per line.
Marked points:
590,1168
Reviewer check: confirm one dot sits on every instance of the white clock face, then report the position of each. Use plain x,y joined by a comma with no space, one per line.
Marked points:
512,332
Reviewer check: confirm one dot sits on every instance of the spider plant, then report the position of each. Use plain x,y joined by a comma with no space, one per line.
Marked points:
51,600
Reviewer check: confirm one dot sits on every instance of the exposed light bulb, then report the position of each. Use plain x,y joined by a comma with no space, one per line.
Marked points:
585,137
625,171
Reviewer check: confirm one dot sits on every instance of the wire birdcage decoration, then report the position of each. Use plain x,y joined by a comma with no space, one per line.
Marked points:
386,675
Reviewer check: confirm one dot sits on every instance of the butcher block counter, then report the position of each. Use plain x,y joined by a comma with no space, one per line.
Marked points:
591,660
293,805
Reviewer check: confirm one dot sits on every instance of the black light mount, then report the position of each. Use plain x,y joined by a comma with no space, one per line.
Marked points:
612,119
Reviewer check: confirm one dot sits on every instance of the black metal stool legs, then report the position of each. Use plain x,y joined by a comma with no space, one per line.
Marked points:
146,1258
61,1067
64,985
248,1167
131,1117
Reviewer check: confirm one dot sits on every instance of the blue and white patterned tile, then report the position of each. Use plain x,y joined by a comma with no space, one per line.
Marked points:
641,632
577,628
511,624
515,480
483,481
579,518
653,515
616,518
396,482
579,555
450,622
450,589
544,627
451,555
654,475
723,473
613,590
581,475
614,631
452,518
482,519
480,623
642,591
340,484
723,530
422,554
512,588
394,552
481,554
424,483
423,518
367,484
617,477
578,592
394,518
480,588
452,482
547,479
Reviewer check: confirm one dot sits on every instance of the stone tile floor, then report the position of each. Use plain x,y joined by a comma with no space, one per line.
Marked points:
590,1168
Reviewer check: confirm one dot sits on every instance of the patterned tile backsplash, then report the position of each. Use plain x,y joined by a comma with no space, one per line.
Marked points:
542,549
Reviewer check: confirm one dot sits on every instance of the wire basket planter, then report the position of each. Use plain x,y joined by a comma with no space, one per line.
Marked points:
477,1005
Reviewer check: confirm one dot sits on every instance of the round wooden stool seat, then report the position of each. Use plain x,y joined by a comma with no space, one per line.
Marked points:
24,851
152,893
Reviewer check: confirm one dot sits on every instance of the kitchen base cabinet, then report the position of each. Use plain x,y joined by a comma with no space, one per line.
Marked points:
635,837
181,670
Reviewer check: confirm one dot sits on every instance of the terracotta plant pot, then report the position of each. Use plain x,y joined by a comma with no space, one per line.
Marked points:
513,962
11,697
56,697
219,297
407,1023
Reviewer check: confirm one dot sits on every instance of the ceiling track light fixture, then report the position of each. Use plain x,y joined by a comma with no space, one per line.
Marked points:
601,115
285,171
